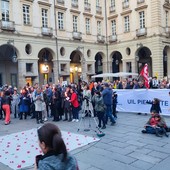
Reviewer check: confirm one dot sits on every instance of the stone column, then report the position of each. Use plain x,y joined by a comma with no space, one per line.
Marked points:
105,67
56,71
21,73
84,69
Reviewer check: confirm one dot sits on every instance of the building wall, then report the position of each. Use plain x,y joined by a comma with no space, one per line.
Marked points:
155,39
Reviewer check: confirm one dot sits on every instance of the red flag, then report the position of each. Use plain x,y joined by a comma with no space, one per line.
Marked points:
144,72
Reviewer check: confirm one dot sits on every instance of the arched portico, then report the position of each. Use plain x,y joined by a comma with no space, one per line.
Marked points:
99,64
45,66
76,66
8,65
166,62
143,56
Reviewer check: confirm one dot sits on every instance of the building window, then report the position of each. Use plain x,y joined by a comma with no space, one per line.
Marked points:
142,19
44,18
75,25
29,67
126,1
63,67
97,2
26,14
127,24
87,25
74,1
86,1
5,10
166,18
60,21
99,29
113,27
112,3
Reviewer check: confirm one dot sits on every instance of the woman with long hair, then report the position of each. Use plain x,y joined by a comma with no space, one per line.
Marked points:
75,105
54,149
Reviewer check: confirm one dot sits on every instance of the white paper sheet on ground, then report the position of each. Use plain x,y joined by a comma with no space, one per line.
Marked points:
18,150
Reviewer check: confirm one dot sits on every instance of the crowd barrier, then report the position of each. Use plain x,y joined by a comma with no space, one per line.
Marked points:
134,100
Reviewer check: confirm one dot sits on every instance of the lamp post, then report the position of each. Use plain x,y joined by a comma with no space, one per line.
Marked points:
83,64
10,42
45,67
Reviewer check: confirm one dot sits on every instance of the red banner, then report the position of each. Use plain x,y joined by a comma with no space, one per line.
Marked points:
144,72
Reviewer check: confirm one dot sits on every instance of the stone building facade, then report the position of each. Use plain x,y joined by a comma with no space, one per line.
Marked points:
48,41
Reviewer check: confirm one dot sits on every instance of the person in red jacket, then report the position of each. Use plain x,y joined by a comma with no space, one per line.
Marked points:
75,105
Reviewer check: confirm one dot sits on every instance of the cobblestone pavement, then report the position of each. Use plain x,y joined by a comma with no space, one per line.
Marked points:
123,147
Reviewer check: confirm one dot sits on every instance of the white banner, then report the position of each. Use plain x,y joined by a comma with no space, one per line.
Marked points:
135,100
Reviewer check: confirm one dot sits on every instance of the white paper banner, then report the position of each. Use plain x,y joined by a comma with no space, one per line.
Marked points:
135,100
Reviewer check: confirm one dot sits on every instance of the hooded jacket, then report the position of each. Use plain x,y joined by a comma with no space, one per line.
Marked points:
50,161
107,96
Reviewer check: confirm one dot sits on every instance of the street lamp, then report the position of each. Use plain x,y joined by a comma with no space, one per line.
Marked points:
83,71
11,43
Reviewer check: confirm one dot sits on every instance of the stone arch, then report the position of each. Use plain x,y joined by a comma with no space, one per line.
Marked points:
77,63
116,58
45,65
143,56
8,64
166,61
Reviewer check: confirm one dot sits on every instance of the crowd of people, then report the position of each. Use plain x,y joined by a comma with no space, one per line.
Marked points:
59,102
65,102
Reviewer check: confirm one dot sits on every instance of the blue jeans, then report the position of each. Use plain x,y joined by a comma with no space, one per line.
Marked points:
109,113
75,111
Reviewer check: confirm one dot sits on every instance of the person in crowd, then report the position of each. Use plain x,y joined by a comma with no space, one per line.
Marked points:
14,103
135,84
6,102
67,104
38,101
32,105
155,105
24,104
99,108
95,88
75,105
107,98
155,83
54,149
87,106
114,101
1,94
56,104
49,94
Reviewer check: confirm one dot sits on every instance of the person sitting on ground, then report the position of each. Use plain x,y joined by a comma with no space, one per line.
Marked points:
156,125
54,149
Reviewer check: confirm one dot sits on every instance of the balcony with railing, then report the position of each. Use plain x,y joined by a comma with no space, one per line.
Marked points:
87,7
61,2
77,35
46,31
74,4
112,9
125,5
141,32
98,9
112,38
140,1
7,25
100,38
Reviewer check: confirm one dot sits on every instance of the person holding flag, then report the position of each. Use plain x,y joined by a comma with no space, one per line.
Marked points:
145,74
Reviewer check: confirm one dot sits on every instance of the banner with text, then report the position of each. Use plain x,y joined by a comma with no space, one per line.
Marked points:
135,100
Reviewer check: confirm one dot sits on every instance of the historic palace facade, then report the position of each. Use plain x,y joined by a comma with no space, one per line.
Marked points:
47,41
